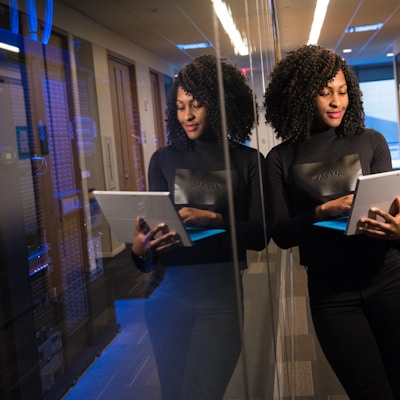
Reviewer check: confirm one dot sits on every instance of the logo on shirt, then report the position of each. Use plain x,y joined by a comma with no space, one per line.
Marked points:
204,188
329,178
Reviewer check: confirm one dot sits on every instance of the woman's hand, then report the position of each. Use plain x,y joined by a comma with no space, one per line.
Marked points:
334,208
146,244
200,218
388,227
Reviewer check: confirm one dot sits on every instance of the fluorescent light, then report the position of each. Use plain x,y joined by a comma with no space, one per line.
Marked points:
364,28
193,46
9,47
225,17
389,54
347,50
318,21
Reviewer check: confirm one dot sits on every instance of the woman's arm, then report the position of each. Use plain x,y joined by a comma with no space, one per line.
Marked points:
251,231
285,230
382,159
149,242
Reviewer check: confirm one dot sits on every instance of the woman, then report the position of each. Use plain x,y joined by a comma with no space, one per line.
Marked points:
314,104
193,317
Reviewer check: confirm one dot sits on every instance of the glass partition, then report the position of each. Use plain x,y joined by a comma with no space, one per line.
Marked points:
83,109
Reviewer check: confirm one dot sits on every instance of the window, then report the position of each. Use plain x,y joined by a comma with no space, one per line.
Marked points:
381,114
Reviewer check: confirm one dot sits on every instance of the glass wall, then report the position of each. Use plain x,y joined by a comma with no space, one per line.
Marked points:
81,114
82,110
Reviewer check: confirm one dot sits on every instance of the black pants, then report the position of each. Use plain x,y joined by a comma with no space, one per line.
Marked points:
357,322
193,323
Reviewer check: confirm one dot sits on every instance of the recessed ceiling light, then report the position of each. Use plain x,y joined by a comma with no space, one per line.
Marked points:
193,46
364,28
347,50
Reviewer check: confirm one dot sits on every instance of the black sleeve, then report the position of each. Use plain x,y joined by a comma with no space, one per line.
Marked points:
382,160
156,177
251,232
286,231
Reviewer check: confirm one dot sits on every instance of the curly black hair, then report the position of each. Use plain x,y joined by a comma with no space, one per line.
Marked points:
200,80
296,80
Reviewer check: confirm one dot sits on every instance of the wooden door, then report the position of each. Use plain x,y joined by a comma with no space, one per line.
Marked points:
125,114
159,128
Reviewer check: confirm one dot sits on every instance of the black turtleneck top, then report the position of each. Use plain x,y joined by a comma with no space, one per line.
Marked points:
301,176
197,178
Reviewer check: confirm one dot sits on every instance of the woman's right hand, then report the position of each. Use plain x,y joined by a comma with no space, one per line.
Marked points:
334,208
146,244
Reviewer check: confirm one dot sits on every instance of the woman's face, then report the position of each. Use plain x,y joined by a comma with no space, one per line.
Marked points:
331,103
192,115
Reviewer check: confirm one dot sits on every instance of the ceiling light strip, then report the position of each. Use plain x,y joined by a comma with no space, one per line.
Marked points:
318,21
225,17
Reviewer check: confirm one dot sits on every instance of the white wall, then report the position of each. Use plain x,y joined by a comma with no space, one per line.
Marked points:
263,137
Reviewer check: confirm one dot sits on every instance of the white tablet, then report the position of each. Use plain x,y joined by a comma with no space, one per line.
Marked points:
121,208
375,190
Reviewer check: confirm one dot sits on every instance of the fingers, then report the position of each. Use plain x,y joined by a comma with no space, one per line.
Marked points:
395,207
335,208
141,225
200,218
144,226
384,229
348,199
165,242
187,214
369,225
373,212
137,224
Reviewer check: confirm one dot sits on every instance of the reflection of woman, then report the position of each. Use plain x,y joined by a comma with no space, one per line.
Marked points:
314,104
193,317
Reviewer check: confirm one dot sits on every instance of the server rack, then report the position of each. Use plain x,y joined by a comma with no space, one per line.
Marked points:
56,312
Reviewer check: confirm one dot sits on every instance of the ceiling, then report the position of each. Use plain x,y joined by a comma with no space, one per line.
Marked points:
158,25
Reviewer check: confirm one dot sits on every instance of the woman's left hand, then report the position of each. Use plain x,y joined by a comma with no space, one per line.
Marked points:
200,218
388,227
153,241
